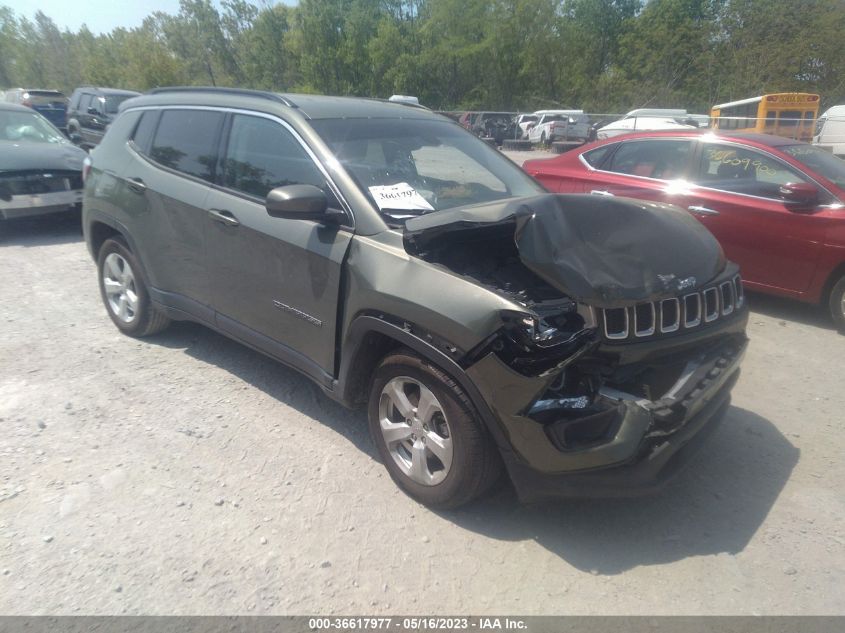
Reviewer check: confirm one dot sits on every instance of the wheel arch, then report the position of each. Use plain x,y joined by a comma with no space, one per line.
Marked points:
835,275
98,228
99,232
370,338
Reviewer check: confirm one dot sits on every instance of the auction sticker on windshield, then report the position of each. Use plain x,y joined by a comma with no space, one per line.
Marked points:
399,196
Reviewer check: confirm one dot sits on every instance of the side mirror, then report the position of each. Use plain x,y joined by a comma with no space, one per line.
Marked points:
301,202
93,110
75,138
801,194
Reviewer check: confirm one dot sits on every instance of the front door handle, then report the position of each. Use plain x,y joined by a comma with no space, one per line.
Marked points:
225,217
136,184
601,192
702,210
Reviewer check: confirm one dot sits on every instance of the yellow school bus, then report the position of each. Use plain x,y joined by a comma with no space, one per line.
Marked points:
790,114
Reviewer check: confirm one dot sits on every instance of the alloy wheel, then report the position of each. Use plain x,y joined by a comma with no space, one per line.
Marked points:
415,430
119,286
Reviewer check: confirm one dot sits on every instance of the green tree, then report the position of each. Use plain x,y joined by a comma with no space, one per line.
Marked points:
666,55
600,55
780,46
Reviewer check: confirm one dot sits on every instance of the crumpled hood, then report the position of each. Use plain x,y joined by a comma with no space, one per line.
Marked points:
605,252
25,155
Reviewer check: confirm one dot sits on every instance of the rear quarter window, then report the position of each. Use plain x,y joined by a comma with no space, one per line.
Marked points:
186,140
142,138
595,157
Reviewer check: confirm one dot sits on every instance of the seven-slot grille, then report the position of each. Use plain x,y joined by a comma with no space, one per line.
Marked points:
670,315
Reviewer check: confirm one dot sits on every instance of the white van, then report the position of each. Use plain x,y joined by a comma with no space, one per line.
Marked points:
830,131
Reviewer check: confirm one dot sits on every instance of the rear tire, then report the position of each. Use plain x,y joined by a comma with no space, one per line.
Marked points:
836,304
436,450
123,289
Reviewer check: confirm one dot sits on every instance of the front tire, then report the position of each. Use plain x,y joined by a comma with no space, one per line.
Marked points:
427,434
836,304
124,291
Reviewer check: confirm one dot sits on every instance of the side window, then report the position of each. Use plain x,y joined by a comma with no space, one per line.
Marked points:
85,102
262,155
651,159
186,140
143,136
742,170
595,157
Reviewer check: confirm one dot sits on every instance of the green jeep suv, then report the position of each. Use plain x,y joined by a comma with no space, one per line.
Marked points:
575,343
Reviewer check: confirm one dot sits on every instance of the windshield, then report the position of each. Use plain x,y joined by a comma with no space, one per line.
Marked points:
26,126
410,167
819,161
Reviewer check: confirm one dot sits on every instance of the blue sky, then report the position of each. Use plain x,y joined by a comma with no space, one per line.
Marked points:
101,16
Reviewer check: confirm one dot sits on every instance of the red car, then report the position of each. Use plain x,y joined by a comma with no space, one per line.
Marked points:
775,204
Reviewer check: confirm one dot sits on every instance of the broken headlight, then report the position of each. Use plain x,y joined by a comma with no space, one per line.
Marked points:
533,330
536,344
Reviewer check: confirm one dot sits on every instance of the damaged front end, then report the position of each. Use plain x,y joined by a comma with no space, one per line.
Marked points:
625,338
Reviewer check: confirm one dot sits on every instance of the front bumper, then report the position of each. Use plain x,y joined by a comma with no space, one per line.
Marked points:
26,205
645,439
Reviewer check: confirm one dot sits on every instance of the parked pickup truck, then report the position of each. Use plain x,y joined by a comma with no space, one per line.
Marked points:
559,125
581,344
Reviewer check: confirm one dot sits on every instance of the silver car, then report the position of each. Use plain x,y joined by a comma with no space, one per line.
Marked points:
40,170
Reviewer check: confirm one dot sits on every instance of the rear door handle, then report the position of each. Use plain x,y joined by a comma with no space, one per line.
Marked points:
702,210
136,184
225,217
600,192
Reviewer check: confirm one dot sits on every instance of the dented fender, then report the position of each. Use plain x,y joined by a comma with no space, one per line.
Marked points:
381,278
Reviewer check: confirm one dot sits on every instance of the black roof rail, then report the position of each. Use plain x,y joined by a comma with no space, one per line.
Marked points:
261,94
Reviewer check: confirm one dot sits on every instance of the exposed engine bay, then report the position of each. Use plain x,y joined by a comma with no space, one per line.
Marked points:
582,382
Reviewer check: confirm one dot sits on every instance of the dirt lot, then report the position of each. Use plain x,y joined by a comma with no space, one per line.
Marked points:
187,474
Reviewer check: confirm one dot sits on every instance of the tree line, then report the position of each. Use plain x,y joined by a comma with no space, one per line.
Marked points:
599,55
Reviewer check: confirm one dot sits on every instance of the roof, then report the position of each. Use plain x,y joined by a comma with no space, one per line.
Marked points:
736,103
325,107
564,111
656,112
771,94
310,106
760,139
37,91
111,91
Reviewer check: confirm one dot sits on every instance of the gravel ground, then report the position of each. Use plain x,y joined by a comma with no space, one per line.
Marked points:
186,474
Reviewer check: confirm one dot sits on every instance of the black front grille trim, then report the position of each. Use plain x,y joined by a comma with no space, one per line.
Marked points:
688,312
